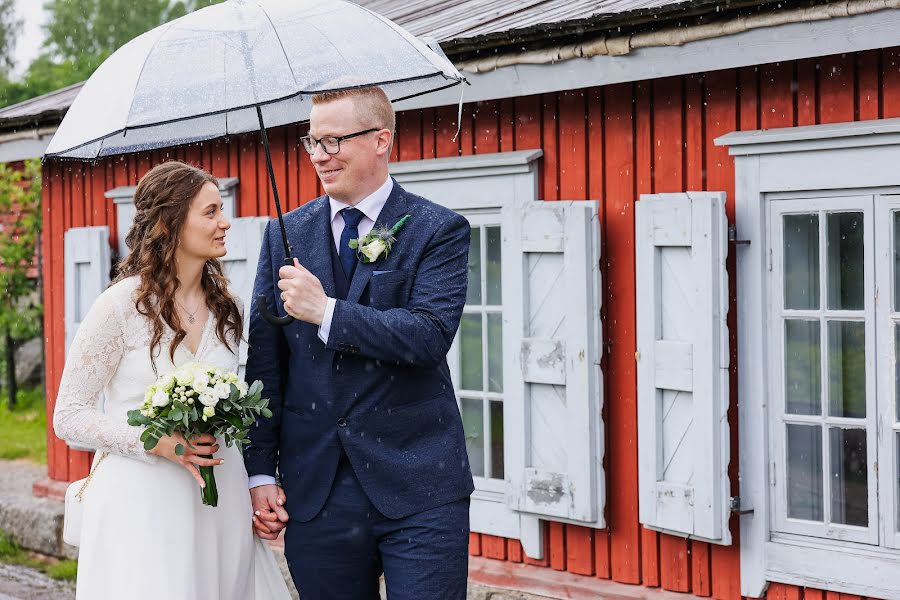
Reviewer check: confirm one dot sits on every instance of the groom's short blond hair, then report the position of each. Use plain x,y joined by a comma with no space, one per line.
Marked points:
371,103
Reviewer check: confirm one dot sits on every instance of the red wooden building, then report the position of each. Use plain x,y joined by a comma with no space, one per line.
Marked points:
718,417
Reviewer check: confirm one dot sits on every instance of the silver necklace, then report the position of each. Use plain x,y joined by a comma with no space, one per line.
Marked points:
190,314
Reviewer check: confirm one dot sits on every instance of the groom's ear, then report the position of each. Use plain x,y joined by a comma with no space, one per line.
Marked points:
385,139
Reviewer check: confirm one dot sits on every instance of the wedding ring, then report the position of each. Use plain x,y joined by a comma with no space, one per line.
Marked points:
282,296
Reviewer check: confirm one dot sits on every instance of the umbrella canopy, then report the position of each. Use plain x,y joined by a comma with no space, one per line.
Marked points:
204,75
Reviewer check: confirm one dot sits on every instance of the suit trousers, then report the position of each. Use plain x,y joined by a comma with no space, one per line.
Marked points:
341,552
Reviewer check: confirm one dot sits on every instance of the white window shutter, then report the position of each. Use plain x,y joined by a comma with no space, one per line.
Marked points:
552,332
244,241
682,364
87,267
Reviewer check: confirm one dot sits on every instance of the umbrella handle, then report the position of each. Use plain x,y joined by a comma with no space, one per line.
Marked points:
264,308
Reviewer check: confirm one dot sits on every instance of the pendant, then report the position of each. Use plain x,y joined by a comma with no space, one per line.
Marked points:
191,319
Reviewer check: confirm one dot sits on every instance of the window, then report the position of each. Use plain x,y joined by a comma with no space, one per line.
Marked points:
824,418
818,303
515,387
480,351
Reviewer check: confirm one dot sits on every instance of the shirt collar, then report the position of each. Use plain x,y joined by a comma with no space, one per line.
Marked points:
370,206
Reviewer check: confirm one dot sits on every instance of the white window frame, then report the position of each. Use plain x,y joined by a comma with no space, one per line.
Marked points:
837,160
489,487
886,248
780,521
509,178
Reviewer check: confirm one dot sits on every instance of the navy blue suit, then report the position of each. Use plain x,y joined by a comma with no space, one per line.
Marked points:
368,420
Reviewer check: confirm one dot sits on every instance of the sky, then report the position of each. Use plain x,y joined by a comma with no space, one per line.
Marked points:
30,38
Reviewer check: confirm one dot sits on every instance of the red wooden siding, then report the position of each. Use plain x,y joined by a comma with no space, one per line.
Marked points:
611,144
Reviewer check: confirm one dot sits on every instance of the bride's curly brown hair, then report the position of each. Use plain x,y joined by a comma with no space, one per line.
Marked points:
162,201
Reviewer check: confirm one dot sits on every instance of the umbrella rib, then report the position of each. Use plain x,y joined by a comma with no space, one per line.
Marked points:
283,51
326,38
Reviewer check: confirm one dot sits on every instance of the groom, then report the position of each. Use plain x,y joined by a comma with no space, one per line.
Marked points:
366,436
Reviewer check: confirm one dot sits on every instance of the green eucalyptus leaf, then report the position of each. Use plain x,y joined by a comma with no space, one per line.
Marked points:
179,449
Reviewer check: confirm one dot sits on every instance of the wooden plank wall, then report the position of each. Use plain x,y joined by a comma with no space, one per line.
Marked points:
611,144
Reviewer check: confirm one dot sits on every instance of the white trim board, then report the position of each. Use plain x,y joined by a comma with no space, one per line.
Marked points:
757,47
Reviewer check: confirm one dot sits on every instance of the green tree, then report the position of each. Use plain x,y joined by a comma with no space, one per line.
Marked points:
9,31
20,308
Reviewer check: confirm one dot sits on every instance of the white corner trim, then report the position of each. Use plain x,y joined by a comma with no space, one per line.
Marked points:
499,163
756,47
476,182
878,132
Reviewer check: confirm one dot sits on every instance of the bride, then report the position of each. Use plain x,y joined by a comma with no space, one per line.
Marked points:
145,532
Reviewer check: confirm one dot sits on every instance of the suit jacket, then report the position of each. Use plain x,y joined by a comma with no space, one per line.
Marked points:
380,389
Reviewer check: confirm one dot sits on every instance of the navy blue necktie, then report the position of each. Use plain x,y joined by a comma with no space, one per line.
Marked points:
352,217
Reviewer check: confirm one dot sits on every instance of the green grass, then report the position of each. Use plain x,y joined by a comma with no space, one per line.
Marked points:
25,427
12,554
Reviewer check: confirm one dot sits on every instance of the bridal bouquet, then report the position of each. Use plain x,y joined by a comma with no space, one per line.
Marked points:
198,399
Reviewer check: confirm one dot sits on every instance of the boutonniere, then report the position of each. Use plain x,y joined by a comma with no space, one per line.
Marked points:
379,241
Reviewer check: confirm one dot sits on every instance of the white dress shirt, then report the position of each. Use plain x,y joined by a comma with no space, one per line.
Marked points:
370,206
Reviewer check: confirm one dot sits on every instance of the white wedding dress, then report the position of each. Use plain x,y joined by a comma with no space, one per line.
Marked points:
145,531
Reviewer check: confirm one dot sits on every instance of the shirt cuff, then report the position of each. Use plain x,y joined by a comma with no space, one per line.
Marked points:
325,327
258,480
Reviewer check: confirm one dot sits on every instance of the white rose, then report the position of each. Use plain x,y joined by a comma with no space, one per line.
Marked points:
201,382
222,390
242,388
373,249
208,399
184,376
167,382
160,398
209,411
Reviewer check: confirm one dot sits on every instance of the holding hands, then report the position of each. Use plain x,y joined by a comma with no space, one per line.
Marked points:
269,516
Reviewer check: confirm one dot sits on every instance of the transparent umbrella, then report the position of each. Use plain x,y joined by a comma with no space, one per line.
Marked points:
242,66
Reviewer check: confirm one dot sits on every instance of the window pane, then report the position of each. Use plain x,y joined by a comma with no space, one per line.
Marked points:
497,439
896,246
846,276
847,369
473,293
897,371
897,454
849,477
804,472
470,357
495,352
802,368
473,426
801,261
494,295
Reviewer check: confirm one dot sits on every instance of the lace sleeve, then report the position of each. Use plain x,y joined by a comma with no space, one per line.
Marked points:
92,360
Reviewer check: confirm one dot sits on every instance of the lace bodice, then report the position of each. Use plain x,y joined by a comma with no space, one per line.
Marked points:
110,355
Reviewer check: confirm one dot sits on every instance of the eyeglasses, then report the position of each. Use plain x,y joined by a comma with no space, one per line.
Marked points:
330,144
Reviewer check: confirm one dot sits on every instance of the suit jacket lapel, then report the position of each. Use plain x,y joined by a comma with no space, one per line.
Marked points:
393,209
315,253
